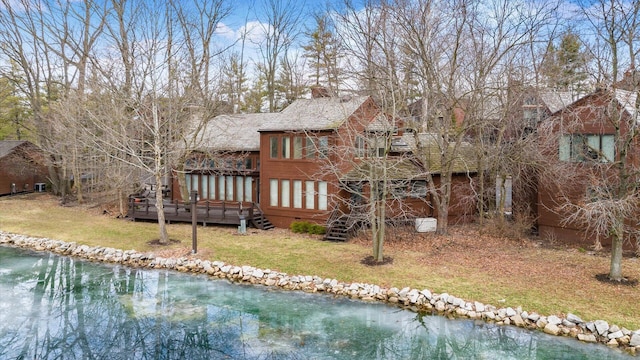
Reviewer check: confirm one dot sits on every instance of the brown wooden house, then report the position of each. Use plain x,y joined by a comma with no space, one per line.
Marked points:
580,140
304,151
22,167
225,166
321,155
299,164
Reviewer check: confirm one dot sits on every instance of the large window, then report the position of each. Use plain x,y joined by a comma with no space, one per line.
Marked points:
221,187
378,146
212,186
248,188
323,146
273,192
205,187
322,195
584,147
229,188
311,149
297,147
360,147
286,147
285,201
273,146
297,194
239,188
229,180
310,199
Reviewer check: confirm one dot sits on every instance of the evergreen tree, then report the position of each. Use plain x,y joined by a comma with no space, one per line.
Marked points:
234,79
564,68
323,51
13,112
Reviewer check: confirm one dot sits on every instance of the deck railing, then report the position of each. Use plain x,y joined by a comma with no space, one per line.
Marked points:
208,211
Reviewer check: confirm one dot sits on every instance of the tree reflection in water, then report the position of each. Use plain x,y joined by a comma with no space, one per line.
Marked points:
59,307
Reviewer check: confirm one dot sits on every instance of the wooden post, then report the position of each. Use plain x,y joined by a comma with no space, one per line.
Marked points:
194,222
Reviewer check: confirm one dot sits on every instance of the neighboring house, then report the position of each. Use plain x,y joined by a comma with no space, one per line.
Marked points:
22,167
582,140
533,106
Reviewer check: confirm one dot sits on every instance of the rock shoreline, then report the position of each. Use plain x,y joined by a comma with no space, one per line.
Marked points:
598,331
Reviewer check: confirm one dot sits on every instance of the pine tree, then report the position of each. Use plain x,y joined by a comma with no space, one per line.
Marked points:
564,68
323,51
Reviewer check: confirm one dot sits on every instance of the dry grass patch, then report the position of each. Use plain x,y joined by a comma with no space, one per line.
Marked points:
494,270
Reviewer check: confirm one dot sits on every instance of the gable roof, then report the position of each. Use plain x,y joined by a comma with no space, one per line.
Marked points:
556,100
627,100
326,113
235,132
7,146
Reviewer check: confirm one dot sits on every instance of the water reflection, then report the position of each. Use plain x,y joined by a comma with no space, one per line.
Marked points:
59,307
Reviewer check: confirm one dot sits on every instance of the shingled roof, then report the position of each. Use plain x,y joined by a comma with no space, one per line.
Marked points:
326,113
237,132
628,100
556,100
7,146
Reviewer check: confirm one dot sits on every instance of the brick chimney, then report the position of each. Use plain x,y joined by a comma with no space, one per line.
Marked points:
319,92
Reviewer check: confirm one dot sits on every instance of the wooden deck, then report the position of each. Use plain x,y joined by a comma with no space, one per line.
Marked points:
208,212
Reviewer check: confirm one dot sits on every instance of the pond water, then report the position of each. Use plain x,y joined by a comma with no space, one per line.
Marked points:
60,307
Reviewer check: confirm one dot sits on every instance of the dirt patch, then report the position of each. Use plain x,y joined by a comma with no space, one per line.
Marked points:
156,242
371,261
624,281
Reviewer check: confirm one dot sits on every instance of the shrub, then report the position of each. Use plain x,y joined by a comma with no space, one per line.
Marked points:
317,229
305,227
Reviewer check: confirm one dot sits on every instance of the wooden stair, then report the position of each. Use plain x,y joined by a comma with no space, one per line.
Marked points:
259,220
339,227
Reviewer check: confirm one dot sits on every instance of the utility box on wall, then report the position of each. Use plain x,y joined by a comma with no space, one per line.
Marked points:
426,225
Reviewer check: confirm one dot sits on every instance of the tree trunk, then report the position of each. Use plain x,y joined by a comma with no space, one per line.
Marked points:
162,226
615,270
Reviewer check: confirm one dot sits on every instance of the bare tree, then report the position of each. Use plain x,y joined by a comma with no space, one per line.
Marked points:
280,29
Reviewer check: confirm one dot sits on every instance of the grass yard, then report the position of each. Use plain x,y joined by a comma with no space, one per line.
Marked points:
474,266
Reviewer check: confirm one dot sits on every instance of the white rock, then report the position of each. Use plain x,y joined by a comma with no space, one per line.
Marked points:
413,295
601,326
615,335
587,338
574,318
635,339
443,297
554,320
510,312
489,315
551,329
614,328
426,294
533,317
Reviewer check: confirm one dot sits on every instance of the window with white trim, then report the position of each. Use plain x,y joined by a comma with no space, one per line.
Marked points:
587,147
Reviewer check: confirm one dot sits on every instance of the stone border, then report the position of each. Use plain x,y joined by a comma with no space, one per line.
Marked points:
598,331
